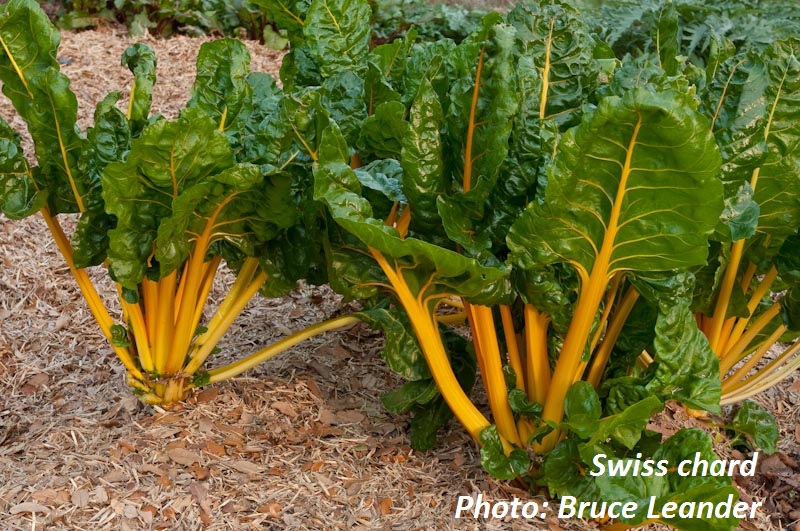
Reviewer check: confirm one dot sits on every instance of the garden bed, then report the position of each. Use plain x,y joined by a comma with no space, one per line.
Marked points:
301,442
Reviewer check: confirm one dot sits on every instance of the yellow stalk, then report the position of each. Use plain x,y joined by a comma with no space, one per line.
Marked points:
205,288
611,296
451,318
435,354
546,73
16,67
243,280
206,342
537,359
762,289
484,333
180,290
150,301
723,299
468,160
514,358
615,327
735,380
132,313
766,377
89,293
240,366
591,295
734,354
747,278
644,360
165,325
130,100
184,332
222,120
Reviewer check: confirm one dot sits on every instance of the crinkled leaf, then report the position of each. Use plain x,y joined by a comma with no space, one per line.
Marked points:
564,473
582,409
483,100
518,400
758,424
494,459
409,395
20,196
556,41
687,369
428,61
383,133
337,33
236,205
422,157
41,94
600,207
220,87
755,104
168,158
740,217
287,14
337,185
141,60
383,176
343,97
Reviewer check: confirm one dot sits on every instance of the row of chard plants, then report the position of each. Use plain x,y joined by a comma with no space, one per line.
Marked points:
589,230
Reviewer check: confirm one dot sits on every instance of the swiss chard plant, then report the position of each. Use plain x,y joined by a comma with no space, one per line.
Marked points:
161,203
745,299
555,198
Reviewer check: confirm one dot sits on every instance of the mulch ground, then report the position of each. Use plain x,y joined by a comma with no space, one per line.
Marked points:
301,442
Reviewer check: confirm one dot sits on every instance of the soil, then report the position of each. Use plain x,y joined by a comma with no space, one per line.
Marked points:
300,442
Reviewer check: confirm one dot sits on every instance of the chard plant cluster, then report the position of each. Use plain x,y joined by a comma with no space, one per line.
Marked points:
591,221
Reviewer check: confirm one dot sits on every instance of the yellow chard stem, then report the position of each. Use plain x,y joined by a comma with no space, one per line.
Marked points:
206,342
726,289
150,302
243,280
770,375
537,358
738,377
484,334
615,327
435,354
240,366
89,293
759,293
132,313
514,358
205,288
591,295
734,354
166,325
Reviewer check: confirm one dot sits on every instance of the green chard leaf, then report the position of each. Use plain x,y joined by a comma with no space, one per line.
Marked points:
20,195
337,35
483,100
168,158
141,60
601,200
41,94
221,87
338,186
401,352
560,47
422,158
754,102
757,424
494,459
